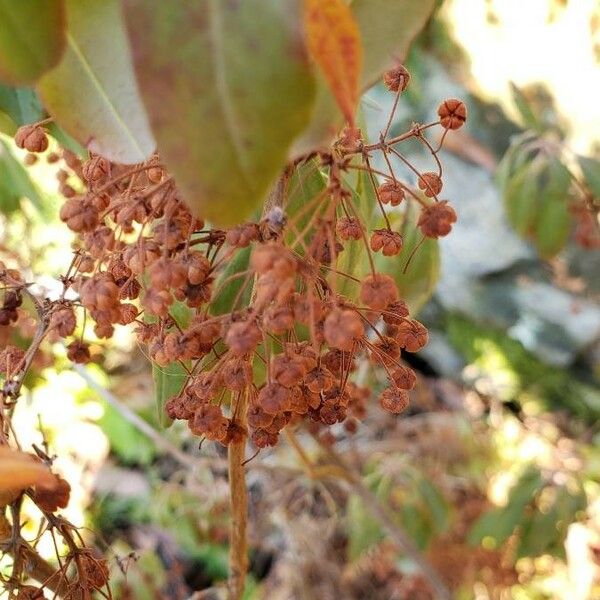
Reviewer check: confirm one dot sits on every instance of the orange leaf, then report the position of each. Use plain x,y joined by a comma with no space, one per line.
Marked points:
334,42
19,470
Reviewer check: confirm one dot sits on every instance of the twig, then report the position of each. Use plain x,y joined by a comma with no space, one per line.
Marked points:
387,521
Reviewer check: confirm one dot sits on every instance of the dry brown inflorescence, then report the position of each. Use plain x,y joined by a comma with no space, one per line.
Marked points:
283,333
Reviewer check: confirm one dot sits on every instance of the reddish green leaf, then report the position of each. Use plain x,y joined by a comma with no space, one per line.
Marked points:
227,86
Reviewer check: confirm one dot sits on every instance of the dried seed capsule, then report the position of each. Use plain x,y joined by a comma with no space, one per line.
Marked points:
396,79
452,113
389,242
391,192
430,183
378,290
394,400
32,138
437,220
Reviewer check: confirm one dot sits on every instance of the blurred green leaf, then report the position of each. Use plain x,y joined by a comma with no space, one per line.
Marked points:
537,206
591,172
126,440
92,92
528,116
21,104
7,125
500,523
387,30
436,505
228,87
169,380
15,182
32,38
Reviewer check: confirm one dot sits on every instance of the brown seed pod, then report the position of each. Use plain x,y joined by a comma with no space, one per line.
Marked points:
437,220
394,400
79,352
430,183
52,497
389,242
411,335
403,377
32,138
391,192
343,328
378,291
396,79
349,228
452,113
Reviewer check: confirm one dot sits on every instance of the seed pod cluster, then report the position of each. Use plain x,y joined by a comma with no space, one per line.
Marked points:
282,334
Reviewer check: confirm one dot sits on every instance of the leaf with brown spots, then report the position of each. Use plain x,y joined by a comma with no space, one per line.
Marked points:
334,42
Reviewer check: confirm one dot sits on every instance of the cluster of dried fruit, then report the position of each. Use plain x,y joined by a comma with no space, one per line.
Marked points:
291,350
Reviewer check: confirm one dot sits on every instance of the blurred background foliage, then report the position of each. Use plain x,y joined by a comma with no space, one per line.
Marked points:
495,471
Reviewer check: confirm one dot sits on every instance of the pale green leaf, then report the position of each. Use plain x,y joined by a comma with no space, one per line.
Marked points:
591,172
228,87
32,38
92,92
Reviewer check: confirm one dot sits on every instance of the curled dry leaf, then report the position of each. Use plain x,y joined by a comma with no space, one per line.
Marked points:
19,470
333,39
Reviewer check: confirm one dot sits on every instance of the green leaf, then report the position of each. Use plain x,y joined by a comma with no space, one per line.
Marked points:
387,30
554,221
32,38
7,125
232,292
528,116
126,441
591,172
21,104
436,505
92,92
169,380
15,182
228,87
499,523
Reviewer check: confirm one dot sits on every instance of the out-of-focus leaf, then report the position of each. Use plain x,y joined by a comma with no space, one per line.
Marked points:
126,440
334,42
228,87
363,530
500,523
168,380
387,29
436,505
7,125
528,115
591,172
15,182
21,104
537,204
32,38
554,221
92,92
228,294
